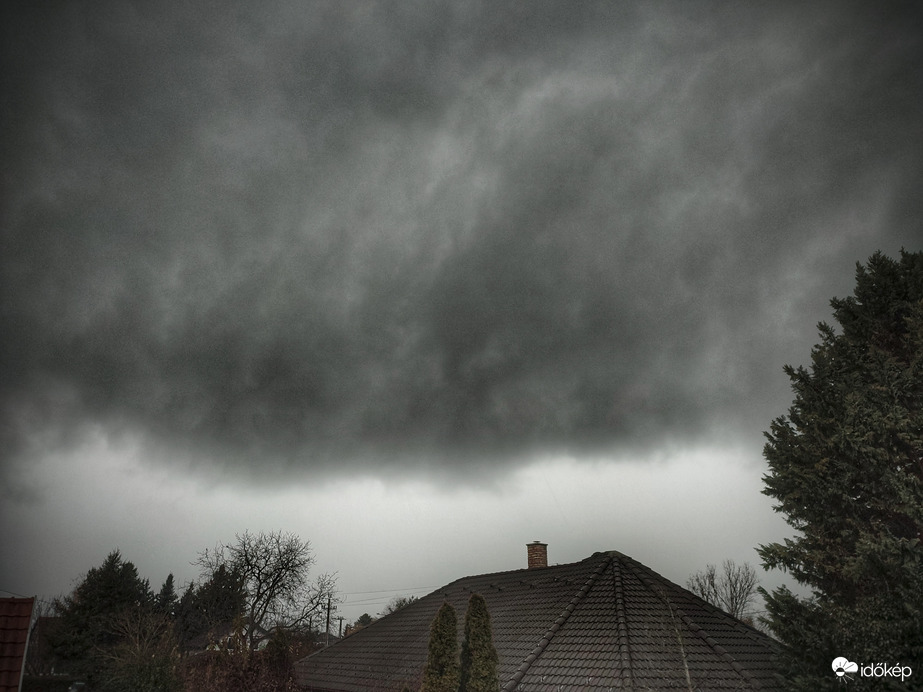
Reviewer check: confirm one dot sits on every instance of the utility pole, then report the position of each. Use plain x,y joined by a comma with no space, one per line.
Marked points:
328,622
340,618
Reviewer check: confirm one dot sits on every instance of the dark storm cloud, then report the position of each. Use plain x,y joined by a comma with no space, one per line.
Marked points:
331,236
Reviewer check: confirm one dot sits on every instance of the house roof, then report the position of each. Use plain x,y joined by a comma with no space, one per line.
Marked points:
15,618
606,622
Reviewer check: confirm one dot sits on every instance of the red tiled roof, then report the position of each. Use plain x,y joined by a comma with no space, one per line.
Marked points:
607,622
15,617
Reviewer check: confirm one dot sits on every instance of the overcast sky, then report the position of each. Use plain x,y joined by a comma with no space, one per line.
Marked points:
422,282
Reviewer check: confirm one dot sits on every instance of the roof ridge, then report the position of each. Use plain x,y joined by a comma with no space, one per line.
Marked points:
718,649
624,645
700,632
752,632
555,626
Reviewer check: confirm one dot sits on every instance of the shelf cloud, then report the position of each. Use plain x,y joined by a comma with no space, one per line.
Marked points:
437,238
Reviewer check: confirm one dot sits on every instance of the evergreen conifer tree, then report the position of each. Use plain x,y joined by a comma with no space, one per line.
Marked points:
846,467
90,616
441,672
478,655
209,610
166,599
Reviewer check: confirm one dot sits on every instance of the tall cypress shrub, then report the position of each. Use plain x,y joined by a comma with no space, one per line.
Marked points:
441,672
478,655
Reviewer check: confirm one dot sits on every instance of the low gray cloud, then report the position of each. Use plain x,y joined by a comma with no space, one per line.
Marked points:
375,237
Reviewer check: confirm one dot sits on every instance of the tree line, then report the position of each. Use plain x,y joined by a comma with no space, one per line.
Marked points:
252,612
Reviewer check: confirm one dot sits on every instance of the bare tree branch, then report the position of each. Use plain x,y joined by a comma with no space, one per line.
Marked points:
275,568
733,590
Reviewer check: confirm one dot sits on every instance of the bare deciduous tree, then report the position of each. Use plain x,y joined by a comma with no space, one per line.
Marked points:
274,568
145,657
733,590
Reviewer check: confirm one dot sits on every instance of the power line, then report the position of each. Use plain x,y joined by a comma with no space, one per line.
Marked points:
14,594
411,588
375,600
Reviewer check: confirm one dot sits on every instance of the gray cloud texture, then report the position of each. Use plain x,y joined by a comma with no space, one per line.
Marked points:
379,236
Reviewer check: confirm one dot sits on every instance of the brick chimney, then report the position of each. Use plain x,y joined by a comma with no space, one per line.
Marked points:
538,554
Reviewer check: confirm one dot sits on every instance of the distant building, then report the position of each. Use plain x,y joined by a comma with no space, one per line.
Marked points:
604,623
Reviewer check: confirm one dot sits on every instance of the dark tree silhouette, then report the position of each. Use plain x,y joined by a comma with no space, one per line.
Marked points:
846,468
